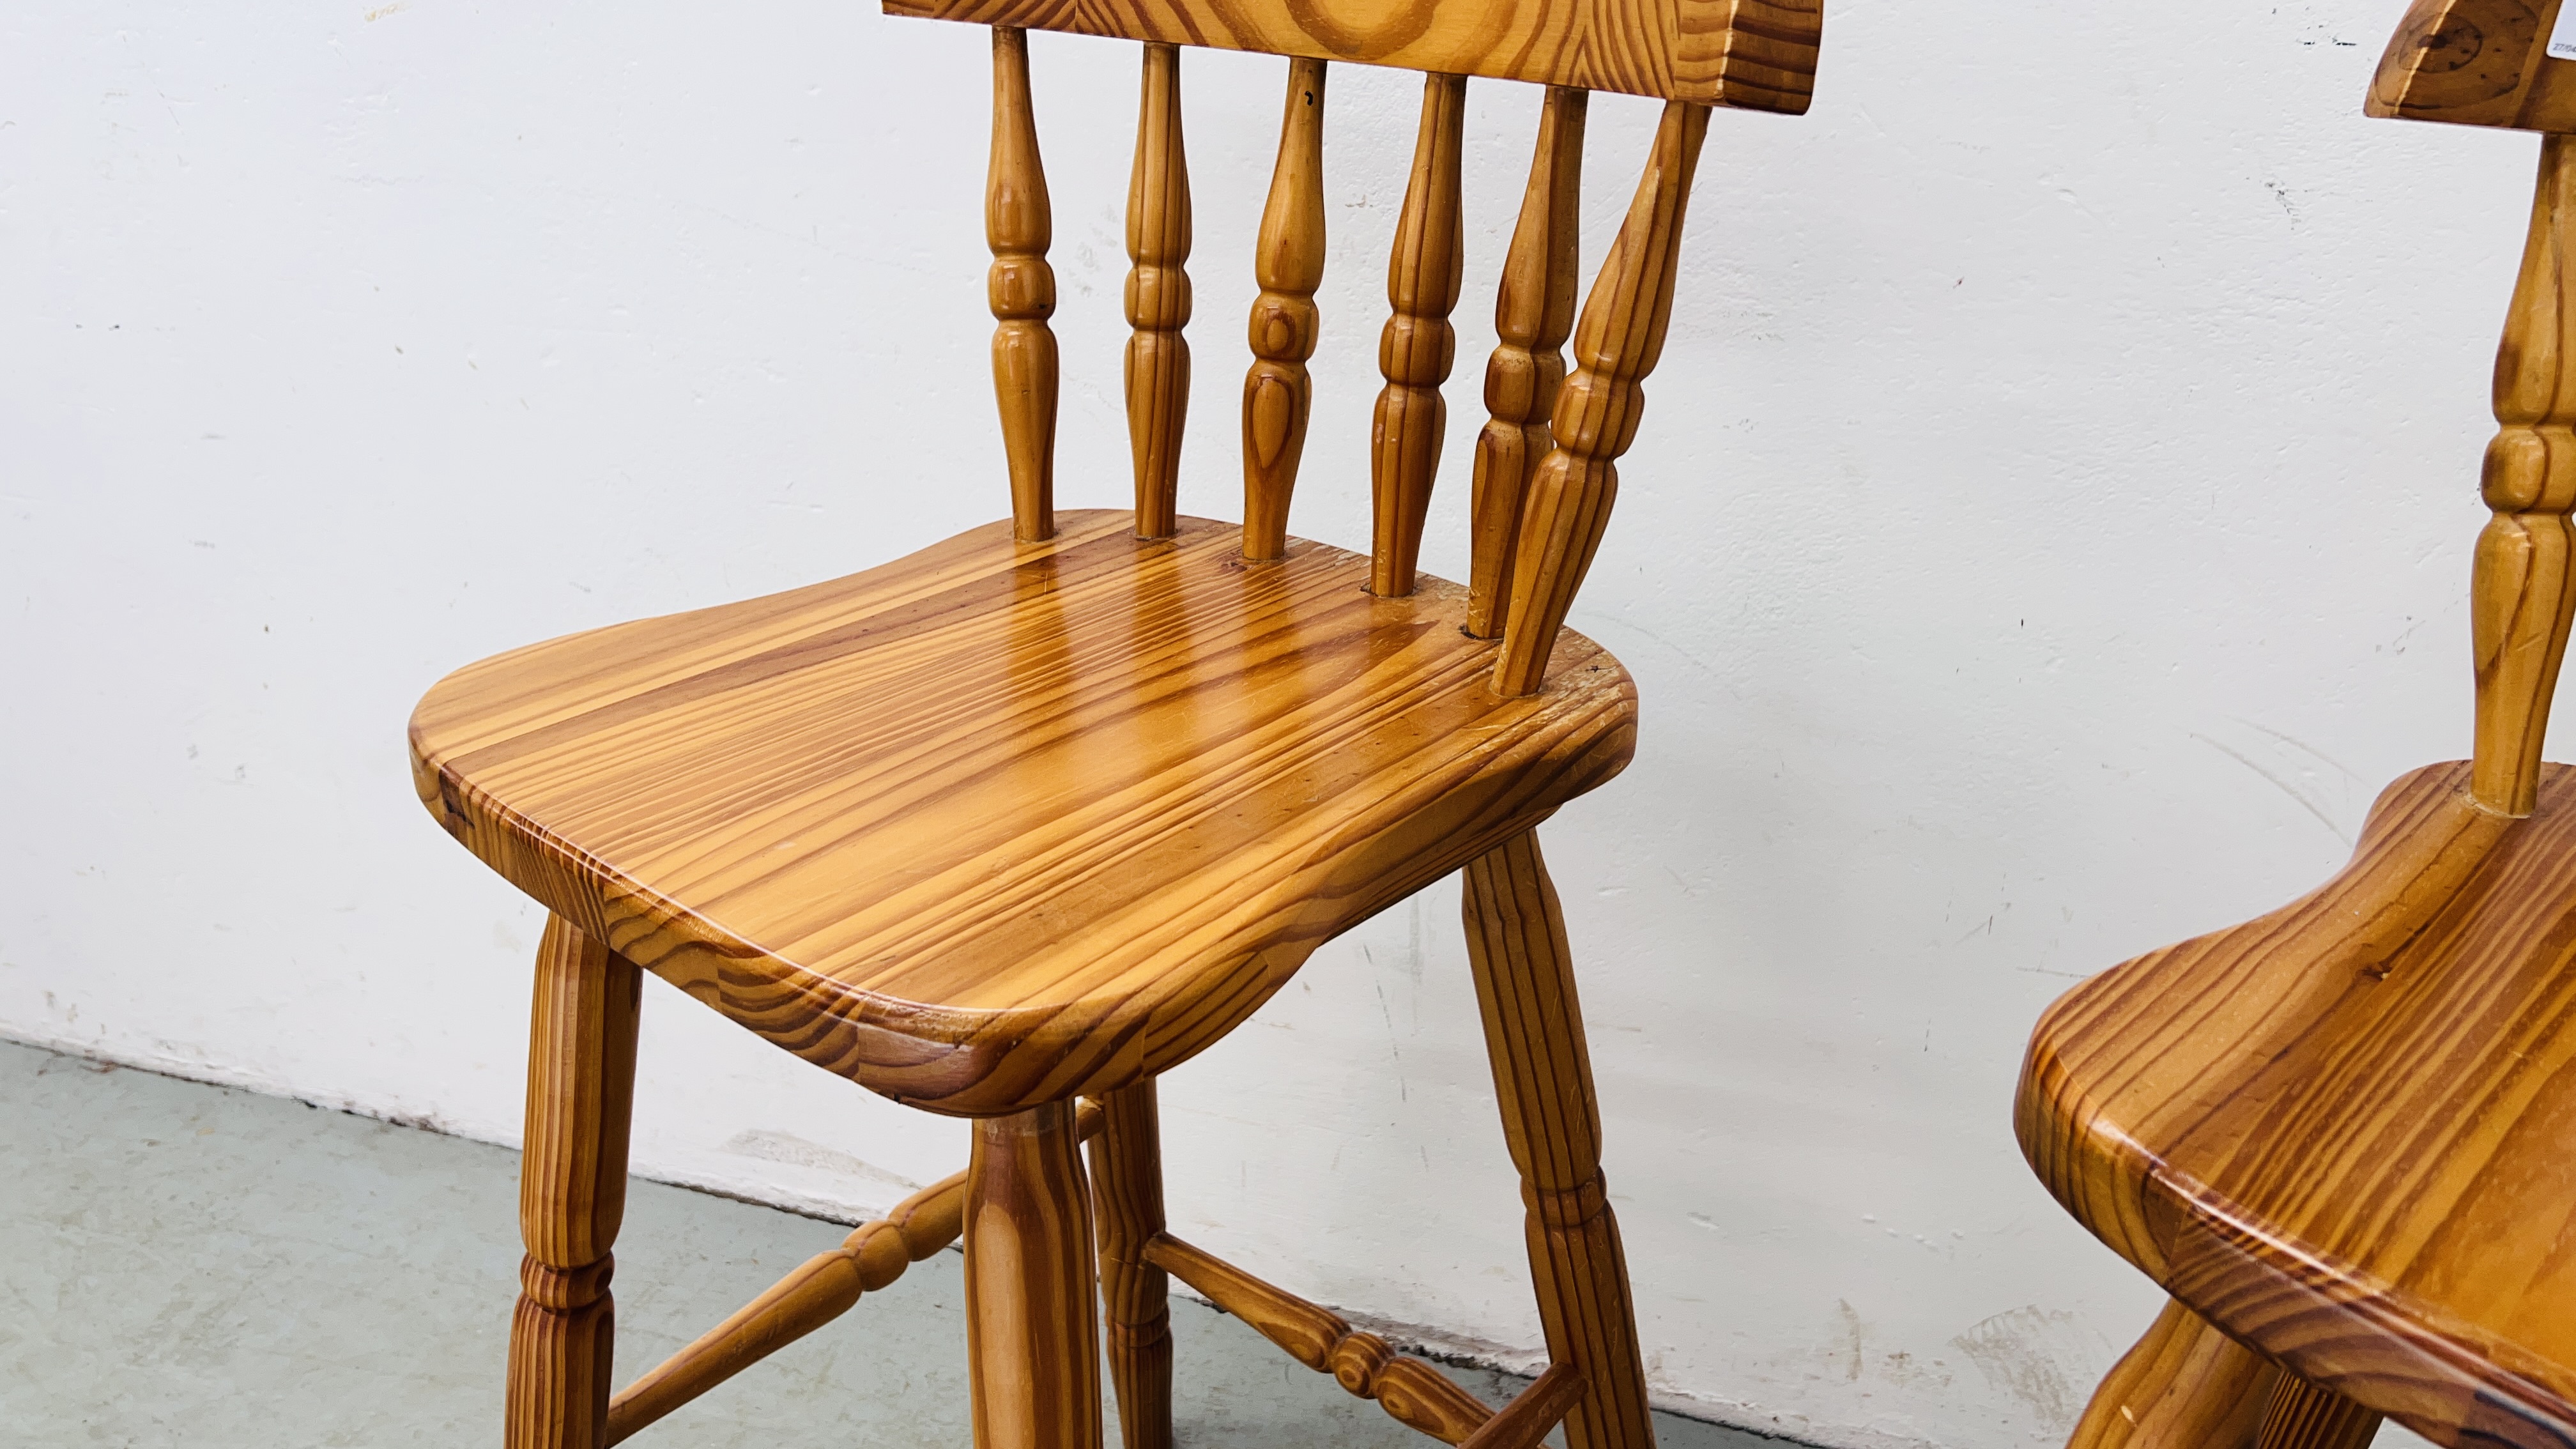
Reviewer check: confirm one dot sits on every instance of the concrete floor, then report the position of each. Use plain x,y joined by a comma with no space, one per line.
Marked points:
191,1265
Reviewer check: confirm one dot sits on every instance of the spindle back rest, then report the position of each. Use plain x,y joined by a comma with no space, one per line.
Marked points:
1546,462
2486,63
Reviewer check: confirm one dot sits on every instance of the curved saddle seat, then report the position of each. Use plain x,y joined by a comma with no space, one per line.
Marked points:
2345,1133
1000,823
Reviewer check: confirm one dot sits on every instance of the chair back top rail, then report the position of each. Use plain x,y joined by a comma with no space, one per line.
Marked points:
2477,63
1749,54
2486,63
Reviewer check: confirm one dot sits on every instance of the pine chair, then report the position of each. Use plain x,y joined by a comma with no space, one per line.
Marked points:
1038,813
2343,1136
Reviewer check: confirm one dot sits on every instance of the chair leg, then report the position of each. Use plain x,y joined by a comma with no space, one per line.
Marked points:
572,1190
2185,1385
2304,1416
1032,1344
1127,1192
1543,1079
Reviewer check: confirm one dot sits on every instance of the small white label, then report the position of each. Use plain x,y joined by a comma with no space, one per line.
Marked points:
2562,36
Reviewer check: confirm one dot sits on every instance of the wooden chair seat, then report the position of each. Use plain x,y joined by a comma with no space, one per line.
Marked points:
2345,1132
999,823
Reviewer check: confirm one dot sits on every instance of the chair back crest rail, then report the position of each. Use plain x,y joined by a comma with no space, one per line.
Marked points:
2486,63
1545,467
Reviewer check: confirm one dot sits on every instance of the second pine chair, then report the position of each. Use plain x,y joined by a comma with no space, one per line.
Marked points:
2343,1135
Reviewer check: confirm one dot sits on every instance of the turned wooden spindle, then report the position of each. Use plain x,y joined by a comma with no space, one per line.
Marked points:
1021,286
1032,1347
1598,409
1158,295
2184,1383
572,1190
1524,975
1533,312
823,1288
1418,346
819,1290
1135,1295
1288,262
2522,591
1412,1392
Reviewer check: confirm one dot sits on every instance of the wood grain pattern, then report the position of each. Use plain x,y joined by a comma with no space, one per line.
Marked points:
1412,1392
1598,409
1418,346
1032,1348
1750,54
2475,63
1524,974
2341,1131
819,1290
1288,262
2185,1385
1533,312
997,824
2522,591
1127,1197
1158,294
2303,1416
1018,226
572,1190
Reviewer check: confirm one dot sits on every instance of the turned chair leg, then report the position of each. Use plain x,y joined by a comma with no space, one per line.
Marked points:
1543,1078
1127,1192
2185,1385
2304,1416
1032,1345
572,1190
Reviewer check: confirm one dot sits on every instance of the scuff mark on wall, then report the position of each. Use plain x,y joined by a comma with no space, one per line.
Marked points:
2044,1357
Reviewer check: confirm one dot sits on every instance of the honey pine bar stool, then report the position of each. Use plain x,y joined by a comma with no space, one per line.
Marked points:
1040,812
2343,1136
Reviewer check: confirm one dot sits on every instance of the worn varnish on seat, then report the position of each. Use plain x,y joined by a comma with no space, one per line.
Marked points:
2343,1135
999,822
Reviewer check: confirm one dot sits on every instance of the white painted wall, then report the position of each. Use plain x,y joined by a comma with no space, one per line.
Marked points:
2049,530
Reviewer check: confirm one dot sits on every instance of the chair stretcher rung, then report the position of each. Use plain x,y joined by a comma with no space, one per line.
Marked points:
1411,1391
822,1289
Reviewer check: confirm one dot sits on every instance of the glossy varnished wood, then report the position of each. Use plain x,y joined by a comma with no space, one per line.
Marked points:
2342,1131
2476,63
1751,54
2303,1416
1033,1352
2185,1385
572,1190
1412,1392
1158,294
819,1290
998,823
1127,1200
1288,264
1524,974
1598,410
2345,1133
1018,225
1417,346
1533,312
2522,589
